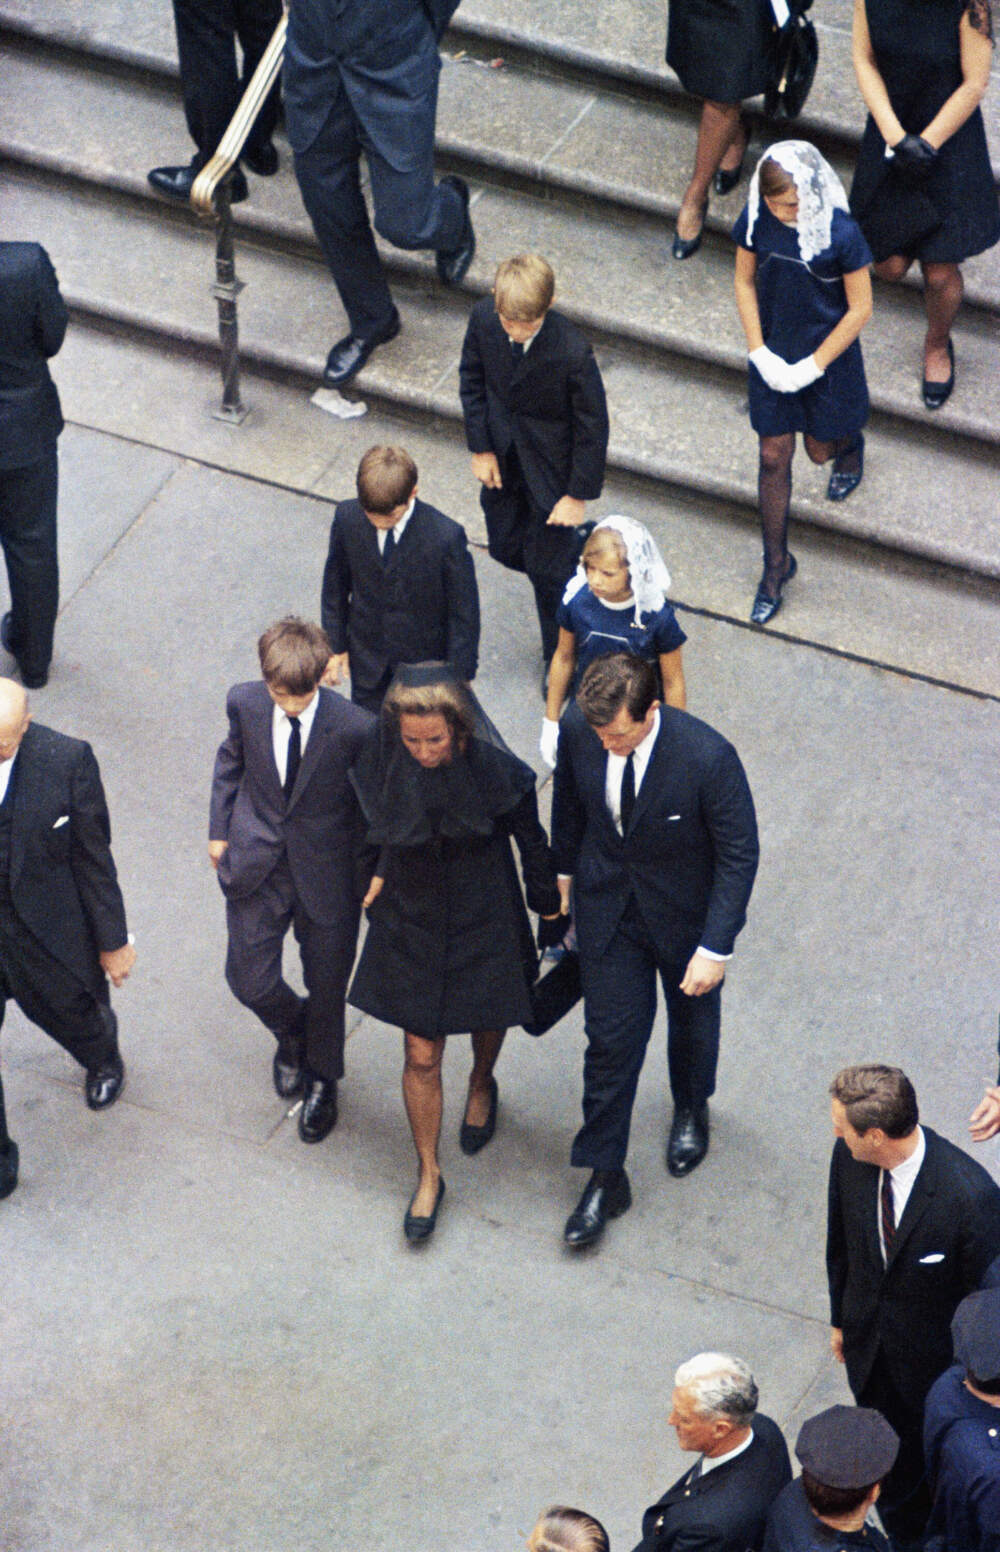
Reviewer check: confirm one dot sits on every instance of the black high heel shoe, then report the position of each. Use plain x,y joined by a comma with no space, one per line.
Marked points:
764,606
936,394
684,247
726,178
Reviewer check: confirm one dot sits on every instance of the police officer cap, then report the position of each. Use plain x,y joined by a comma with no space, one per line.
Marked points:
975,1332
847,1446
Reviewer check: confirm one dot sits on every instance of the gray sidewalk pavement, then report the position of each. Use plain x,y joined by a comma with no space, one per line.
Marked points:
215,1339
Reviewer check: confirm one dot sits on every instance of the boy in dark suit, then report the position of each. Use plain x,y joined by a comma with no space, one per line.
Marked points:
536,423
399,584
282,836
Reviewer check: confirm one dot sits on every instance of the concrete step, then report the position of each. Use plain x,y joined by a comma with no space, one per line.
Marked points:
682,423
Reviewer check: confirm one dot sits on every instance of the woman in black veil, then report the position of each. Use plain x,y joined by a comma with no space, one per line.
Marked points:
449,947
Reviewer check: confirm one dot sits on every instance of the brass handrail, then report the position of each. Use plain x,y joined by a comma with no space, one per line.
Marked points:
227,152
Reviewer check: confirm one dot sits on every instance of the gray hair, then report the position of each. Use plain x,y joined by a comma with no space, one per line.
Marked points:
721,1386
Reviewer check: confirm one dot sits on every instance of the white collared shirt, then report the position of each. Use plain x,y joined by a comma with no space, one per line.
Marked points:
615,771
281,732
6,766
902,1178
397,528
709,1462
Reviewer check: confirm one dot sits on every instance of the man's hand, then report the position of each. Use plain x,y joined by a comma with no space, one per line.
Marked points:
984,1122
215,850
837,1343
487,470
702,974
564,886
374,890
336,670
567,513
117,962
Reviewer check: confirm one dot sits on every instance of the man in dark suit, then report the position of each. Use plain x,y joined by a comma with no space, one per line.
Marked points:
536,423
913,1225
33,321
721,1503
62,919
653,822
363,75
399,584
207,31
283,830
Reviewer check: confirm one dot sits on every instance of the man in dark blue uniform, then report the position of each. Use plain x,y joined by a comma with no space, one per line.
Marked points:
962,1433
362,75
845,1452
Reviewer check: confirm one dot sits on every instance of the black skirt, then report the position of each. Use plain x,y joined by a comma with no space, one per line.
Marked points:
720,48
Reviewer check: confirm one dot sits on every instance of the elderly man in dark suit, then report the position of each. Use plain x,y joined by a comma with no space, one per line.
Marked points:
33,320
654,825
913,1225
720,1504
283,830
62,919
362,75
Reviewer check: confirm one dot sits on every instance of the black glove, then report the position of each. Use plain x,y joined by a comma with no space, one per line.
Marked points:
552,932
914,158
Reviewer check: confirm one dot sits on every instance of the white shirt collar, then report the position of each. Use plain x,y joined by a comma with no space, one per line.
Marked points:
615,769
709,1462
397,528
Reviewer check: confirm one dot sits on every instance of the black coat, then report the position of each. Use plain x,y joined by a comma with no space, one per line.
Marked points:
33,321
947,1237
549,406
63,882
421,606
690,854
725,1509
317,830
792,1527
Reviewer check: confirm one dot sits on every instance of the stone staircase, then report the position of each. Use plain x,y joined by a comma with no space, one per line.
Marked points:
577,143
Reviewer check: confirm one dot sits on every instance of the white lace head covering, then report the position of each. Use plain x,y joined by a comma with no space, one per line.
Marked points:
819,189
648,574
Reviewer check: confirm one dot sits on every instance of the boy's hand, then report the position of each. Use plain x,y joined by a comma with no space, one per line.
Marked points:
215,850
374,890
336,670
117,962
487,470
567,512
984,1122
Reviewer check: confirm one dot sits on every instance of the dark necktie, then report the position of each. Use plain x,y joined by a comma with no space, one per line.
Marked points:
626,803
294,757
695,1472
516,350
389,546
888,1214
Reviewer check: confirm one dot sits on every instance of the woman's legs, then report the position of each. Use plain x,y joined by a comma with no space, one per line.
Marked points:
736,150
486,1045
719,125
942,298
422,1096
774,485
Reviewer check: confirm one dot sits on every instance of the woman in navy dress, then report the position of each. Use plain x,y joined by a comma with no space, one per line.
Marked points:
923,66
804,295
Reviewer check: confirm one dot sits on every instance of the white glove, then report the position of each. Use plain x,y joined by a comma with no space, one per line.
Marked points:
549,742
771,368
805,372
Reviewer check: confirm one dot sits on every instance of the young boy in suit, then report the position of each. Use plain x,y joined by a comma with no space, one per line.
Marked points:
283,830
536,423
399,584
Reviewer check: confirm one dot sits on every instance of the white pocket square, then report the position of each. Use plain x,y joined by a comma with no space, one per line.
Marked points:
672,817
63,819
931,1259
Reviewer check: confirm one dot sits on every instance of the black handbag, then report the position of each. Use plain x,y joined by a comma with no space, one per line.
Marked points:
554,995
792,66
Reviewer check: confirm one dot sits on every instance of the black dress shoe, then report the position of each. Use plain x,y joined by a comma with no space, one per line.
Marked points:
104,1083
688,1142
452,263
263,160
31,681
286,1069
8,1168
843,481
349,355
177,183
684,247
726,178
417,1229
764,606
606,1195
472,1138
318,1115
936,394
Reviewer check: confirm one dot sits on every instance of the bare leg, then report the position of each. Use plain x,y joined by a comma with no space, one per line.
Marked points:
720,122
774,485
942,298
423,1098
486,1045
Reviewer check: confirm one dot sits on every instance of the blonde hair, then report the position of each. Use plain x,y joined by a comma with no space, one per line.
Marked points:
568,1530
604,541
523,288
426,700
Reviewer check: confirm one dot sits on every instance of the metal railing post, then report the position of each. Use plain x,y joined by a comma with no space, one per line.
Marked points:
226,290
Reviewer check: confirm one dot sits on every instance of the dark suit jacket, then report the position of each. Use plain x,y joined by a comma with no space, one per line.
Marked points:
63,882
318,831
549,406
422,606
690,854
33,320
947,1237
725,1510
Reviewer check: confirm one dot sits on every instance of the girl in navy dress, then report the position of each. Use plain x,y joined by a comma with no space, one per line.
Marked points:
616,602
804,295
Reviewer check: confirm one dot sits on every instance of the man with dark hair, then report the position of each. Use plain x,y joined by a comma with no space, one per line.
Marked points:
962,1433
283,831
913,1225
720,1504
845,1453
653,819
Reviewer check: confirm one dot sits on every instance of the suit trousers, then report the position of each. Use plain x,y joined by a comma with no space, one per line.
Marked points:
905,1501
206,47
257,926
28,536
372,696
410,211
77,1016
520,538
619,993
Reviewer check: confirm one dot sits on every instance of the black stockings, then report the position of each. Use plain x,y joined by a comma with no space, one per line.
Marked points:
774,492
